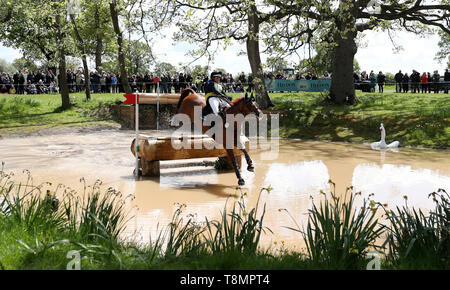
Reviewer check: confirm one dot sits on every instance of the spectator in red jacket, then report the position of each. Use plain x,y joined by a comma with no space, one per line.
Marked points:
155,81
424,82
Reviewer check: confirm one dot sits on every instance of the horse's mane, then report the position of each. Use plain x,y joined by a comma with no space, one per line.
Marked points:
184,94
235,101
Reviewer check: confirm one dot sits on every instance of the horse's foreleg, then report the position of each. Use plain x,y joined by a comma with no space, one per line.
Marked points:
250,166
235,167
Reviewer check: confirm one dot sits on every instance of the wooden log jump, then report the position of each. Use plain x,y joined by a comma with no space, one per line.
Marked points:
152,150
164,99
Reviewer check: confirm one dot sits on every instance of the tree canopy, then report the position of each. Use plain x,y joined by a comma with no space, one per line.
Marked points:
339,22
120,34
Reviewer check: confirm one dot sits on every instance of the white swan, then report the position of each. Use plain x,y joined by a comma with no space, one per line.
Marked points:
382,143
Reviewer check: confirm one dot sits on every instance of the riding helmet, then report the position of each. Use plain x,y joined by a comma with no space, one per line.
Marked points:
216,74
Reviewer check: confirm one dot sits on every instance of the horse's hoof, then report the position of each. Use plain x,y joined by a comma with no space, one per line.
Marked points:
251,168
241,182
139,172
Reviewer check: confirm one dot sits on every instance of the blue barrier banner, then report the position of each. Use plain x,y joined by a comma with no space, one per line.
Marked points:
298,85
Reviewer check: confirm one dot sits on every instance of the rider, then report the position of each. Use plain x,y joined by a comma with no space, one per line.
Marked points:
215,95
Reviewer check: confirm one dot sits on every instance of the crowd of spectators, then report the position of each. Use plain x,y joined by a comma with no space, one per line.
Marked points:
424,83
41,82
415,82
368,82
38,82
297,76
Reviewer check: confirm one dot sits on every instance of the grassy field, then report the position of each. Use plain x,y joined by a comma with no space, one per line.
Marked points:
27,113
37,232
416,120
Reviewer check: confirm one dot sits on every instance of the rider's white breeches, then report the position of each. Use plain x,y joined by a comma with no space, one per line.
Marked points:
214,103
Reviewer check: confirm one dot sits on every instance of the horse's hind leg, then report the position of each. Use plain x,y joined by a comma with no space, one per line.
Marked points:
250,166
235,167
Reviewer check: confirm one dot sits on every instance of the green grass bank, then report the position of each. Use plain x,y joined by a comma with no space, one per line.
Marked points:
21,114
416,120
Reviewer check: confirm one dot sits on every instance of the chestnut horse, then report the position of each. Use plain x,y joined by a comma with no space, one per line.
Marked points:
244,105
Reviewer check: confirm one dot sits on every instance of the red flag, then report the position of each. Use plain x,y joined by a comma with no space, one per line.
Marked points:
131,99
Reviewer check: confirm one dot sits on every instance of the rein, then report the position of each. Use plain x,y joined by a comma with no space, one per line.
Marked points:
225,99
232,105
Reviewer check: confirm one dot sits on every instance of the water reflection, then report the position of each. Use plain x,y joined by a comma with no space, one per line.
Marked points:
391,182
301,169
304,177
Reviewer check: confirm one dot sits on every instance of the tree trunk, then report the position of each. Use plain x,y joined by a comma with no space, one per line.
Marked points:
342,89
121,56
98,53
62,81
254,58
87,83
63,86
83,59
99,41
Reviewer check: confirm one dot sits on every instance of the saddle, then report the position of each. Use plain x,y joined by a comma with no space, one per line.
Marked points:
222,105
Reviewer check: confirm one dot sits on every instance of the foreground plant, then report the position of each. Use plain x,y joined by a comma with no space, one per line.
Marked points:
238,231
90,224
23,204
339,236
418,240
36,233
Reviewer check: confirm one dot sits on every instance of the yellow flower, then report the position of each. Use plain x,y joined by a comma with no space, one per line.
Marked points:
374,210
275,242
354,251
372,203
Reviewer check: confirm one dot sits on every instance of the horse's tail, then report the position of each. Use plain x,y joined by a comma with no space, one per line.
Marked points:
184,94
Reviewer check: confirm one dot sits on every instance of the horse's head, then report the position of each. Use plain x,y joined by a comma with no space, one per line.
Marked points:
247,105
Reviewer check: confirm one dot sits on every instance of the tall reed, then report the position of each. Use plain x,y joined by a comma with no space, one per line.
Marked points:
91,223
338,235
418,240
238,231
24,204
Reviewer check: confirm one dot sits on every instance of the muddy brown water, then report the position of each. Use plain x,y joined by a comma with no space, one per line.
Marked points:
297,174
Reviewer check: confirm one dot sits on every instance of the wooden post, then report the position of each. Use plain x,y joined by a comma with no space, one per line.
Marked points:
152,150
